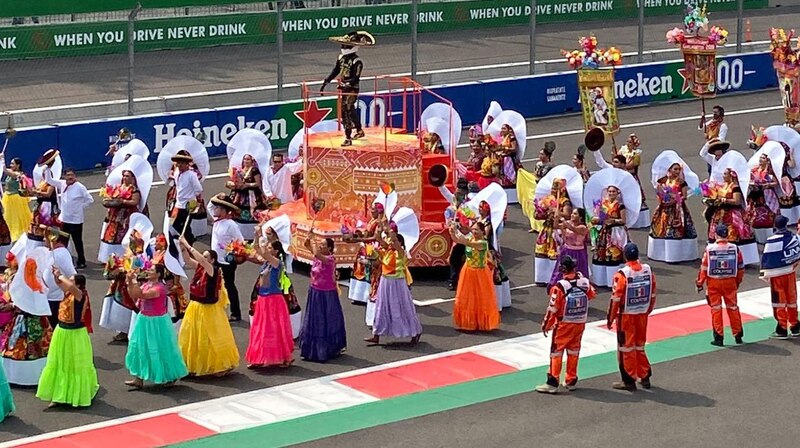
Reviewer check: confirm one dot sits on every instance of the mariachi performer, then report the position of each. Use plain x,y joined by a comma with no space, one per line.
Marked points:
348,70
722,269
779,265
557,193
249,151
632,152
490,205
726,204
126,192
566,316
714,129
183,165
612,208
673,236
765,189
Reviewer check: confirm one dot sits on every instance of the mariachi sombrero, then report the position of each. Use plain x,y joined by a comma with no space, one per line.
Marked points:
182,156
222,200
594,139
49,157
716,144
355,39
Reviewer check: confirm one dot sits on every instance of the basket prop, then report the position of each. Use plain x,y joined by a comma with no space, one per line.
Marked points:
595,67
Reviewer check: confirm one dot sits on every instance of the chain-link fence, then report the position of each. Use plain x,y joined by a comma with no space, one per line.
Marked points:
81,66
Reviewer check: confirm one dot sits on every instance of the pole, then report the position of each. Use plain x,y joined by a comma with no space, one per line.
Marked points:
414,43
131,45
640,53
532,43
279,43
739,25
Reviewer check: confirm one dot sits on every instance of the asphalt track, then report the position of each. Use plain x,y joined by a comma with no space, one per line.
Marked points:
69,80
675,286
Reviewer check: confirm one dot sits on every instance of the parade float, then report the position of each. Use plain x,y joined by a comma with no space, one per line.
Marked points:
341,182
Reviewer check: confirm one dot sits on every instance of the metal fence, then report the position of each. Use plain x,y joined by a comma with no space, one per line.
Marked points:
87,66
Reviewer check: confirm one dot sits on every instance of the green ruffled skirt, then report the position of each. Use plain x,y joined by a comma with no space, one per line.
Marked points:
69,376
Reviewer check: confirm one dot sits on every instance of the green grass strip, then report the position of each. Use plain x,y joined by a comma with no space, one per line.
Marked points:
369,415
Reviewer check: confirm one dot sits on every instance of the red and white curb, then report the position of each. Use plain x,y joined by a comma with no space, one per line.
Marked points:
329,393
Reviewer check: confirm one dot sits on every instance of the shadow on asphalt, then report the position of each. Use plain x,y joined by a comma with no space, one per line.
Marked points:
675,398
761,349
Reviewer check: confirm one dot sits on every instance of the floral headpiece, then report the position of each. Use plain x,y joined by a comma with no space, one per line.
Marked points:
781,47
590,56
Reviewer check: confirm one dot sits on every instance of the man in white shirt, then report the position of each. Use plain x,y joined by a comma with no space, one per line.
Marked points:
187,189
715,128
712,151
62,259
224,232
279,178
74,200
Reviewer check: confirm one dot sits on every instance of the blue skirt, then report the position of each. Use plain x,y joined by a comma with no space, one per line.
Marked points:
153,352
323,334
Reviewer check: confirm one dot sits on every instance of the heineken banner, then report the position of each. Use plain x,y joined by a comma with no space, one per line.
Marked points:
83,145
81,39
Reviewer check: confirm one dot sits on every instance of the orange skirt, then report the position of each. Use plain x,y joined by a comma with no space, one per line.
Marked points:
476,302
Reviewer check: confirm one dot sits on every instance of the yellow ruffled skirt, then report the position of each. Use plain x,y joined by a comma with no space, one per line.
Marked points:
526,188
206,339
17,213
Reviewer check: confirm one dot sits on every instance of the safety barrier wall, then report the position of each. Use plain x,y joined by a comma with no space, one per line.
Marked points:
83,144
109,37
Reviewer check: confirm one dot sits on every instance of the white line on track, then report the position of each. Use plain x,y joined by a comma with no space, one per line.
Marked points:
640,124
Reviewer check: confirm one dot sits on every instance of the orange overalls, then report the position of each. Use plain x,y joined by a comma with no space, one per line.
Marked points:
566,316
632,300
722,269
784,303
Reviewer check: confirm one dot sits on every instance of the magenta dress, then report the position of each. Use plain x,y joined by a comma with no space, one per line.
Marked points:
271,340
323,334
573,245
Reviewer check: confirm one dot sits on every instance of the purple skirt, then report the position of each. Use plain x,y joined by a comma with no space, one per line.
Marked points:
581,258
395,314
323,334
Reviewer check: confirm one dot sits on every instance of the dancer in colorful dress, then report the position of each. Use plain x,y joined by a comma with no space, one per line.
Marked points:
249,152
789,201
271,342
26,336
490,215
70,377
765,189
612,211
574,236
632,152
153,351
46,211
476,302
323,335
673,237
527,182
395,314
126,192
206,339
727,204
16,211
556,195
366,270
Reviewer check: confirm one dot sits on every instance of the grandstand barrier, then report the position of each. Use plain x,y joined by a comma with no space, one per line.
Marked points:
84,144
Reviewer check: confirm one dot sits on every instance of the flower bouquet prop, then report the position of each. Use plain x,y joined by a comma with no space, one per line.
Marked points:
239,252
787,68
711,192
596,84
113,195
699,43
